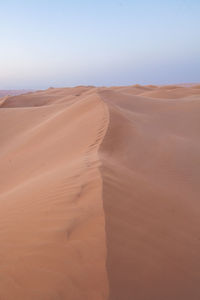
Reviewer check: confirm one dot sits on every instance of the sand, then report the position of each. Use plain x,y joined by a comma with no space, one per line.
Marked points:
99,194
4,93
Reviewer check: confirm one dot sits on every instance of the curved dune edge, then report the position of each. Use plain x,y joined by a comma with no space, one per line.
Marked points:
54,217
151,198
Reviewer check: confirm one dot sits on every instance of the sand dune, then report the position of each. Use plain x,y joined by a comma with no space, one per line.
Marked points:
99,194
172,92
4,93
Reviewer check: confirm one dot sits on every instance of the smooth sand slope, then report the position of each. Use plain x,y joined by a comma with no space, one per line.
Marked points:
99,194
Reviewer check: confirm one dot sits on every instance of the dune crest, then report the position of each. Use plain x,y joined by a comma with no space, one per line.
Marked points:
99,194
52,221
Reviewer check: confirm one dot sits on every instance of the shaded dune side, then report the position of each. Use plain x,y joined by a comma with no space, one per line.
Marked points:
52,229
151,198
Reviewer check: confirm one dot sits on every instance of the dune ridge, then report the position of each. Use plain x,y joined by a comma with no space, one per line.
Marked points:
58,235
151,197
100,194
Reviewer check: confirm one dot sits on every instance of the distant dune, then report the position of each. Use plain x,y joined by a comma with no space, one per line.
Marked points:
4,93
99,194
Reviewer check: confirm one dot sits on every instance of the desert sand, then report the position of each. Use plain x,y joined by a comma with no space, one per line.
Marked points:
4,93
100,194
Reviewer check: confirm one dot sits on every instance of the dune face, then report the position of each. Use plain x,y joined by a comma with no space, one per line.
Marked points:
99,194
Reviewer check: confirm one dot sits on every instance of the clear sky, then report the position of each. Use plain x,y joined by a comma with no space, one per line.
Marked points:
98,42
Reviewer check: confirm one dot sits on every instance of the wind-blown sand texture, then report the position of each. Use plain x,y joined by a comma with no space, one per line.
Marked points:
99,194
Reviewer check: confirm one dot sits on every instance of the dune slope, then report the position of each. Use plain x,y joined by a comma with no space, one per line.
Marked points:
99,194
52,222
151,169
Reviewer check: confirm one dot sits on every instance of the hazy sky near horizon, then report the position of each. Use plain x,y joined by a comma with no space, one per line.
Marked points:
109,42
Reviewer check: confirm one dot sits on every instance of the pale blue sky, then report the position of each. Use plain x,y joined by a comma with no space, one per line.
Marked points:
114,42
